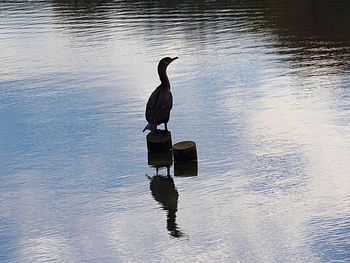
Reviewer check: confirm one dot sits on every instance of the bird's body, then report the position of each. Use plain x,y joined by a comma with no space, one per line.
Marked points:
160,102
159,106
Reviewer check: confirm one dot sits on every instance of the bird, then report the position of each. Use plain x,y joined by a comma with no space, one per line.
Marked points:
160,102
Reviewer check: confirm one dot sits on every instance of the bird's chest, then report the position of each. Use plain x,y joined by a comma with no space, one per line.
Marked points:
165,94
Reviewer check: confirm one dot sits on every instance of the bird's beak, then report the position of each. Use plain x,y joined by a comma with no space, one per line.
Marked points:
174,59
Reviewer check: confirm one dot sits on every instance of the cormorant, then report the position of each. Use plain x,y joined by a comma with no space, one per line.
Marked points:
164,191
161,100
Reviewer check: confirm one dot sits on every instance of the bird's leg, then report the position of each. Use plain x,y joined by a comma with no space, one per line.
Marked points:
166,126
168,171
153,127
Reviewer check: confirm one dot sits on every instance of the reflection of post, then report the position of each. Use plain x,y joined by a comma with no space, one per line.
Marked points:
163,190
160,159
186,169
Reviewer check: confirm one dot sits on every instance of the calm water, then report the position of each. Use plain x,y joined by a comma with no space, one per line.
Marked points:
262,87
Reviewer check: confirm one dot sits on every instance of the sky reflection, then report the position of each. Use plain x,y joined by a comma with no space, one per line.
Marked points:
265,99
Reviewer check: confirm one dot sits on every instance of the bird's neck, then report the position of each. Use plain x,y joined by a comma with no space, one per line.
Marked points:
163,77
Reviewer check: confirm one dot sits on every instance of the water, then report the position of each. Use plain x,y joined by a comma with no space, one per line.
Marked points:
262,87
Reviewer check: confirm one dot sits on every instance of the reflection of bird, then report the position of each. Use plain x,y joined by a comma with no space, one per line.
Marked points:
164,191
161,100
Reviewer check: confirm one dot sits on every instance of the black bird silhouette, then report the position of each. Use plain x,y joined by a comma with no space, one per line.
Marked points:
161,100
163,190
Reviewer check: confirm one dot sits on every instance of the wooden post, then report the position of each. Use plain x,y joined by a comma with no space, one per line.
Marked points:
185,151
159,141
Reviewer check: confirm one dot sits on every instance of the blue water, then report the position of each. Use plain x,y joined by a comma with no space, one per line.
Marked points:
261,87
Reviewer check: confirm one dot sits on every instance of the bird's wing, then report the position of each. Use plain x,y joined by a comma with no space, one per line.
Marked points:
151,106
159,105
163,107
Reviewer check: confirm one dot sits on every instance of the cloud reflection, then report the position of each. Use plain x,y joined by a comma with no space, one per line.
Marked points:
267,103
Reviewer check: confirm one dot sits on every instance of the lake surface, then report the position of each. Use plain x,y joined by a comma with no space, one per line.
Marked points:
262,87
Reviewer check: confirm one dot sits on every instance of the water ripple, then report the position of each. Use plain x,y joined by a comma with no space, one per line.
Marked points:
261,87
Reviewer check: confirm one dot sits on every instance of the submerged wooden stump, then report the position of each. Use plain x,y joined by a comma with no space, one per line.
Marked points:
185,151
186,169
159,141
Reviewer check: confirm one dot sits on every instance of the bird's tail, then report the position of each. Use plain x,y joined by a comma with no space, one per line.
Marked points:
148,127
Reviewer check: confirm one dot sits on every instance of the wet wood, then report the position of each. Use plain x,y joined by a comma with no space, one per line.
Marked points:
185,151
159,141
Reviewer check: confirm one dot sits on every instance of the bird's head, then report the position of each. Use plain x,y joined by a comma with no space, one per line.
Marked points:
164,62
